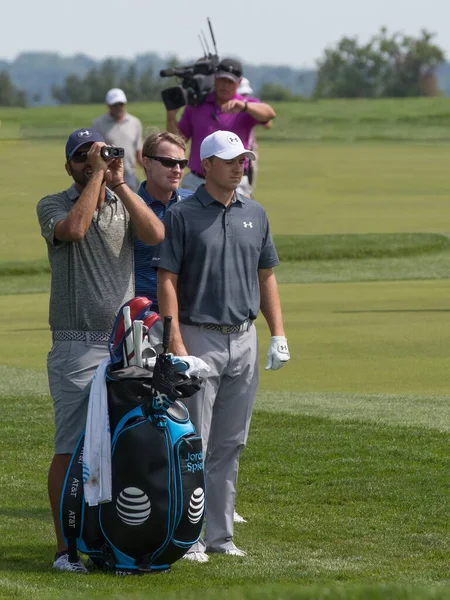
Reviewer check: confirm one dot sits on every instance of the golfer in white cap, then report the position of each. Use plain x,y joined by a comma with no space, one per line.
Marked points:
123,130
215,272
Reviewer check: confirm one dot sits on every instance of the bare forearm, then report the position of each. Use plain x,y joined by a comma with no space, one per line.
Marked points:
74,227
171,123
168,306
270,301
260,111
148,227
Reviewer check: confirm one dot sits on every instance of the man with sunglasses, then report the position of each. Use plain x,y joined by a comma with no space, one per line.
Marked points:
123,130
215,272
164,163
223,109
89,229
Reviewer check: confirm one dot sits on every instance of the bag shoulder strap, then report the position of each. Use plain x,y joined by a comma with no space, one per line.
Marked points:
71,507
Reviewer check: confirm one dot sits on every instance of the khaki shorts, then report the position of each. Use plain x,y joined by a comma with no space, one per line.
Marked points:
70,367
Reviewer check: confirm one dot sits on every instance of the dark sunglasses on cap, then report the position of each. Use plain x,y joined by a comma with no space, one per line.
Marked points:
170,163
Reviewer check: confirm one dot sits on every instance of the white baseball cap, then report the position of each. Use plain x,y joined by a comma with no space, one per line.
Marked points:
244,87
115,96
225,145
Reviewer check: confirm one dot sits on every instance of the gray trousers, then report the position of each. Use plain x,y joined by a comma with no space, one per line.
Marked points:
221,412
191,181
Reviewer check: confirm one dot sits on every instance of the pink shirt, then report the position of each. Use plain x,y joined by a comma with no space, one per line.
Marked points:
197,122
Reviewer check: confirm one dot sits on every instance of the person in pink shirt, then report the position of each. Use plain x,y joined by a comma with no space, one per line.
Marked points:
223,109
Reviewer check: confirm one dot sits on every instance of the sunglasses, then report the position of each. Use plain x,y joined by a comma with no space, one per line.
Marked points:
79,157
170,163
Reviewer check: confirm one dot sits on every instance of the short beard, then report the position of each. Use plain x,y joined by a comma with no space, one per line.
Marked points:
81,179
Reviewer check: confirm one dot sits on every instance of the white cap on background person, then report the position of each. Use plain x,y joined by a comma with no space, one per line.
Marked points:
225,145
115,96
244,88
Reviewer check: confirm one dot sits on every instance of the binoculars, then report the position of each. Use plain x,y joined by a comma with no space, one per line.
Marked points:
109,152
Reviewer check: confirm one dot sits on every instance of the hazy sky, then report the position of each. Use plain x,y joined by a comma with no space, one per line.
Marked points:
277,32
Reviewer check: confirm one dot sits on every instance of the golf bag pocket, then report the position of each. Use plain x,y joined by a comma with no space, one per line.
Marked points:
138,519
190,498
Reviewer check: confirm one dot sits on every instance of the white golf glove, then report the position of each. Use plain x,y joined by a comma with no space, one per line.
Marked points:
278,353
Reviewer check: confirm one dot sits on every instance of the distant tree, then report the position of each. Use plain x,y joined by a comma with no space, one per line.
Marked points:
278,93
9,94
388,65
72,91
129,83
149,87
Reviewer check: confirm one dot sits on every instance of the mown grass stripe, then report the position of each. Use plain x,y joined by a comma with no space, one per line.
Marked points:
430,412
293,248
337,247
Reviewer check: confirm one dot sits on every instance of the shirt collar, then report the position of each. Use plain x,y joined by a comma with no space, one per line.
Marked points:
206,199
73,193
142,192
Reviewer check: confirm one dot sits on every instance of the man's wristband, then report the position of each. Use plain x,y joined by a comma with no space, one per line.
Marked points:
245,106
117,185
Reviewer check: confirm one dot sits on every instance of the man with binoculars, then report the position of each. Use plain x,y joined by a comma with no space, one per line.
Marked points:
89,229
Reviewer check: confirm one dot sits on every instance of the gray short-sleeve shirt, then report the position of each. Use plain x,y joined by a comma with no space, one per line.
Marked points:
126,133
91,278
216,252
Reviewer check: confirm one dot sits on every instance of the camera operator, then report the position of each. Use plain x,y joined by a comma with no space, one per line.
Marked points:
119,128
223,109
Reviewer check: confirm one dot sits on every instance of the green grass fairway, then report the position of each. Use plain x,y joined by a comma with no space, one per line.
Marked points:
345,480
389,337
306,189
355,188
330,503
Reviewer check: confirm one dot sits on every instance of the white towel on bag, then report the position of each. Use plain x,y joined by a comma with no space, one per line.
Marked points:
97,442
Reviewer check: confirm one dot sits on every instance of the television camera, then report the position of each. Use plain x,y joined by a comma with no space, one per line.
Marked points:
197,79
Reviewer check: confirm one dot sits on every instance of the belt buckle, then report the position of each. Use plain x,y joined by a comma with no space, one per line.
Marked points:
224,329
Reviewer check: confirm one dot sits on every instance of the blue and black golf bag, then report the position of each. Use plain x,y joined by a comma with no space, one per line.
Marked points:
158,489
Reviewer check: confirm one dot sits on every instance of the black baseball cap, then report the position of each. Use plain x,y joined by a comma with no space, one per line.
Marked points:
230,68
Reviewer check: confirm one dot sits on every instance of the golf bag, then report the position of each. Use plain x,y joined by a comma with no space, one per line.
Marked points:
158,491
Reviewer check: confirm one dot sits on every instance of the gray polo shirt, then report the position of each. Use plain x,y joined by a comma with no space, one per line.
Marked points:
216,252
126,134
91,278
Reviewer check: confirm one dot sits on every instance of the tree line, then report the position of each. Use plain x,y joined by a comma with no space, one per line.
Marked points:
388,65
91,89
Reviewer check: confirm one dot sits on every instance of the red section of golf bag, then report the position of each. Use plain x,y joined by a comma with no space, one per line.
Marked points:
140,309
